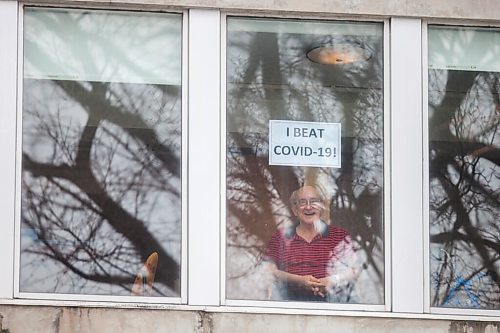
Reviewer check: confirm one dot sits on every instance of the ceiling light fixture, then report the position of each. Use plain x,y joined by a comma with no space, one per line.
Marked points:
338,54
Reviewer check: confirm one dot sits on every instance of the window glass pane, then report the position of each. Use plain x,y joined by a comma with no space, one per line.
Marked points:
464,116
301,115
101,153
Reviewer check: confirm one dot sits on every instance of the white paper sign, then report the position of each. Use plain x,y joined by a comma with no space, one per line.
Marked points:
301,143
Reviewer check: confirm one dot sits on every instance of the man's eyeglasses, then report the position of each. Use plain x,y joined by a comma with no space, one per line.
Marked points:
309,202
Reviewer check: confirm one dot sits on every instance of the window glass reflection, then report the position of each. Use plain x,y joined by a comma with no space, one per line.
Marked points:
297,232
101,180
464,116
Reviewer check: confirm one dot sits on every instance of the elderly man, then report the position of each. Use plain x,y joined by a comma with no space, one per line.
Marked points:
309,258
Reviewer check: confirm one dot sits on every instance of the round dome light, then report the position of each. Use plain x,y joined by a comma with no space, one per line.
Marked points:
339,54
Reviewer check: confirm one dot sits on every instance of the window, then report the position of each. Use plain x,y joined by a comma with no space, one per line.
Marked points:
464,170
101,153
305,105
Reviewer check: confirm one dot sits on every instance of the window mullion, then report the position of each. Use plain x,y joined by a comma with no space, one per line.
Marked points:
406,166
203,155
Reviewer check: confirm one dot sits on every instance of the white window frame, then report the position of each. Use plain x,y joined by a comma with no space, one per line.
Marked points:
8,92
462,312
182,299
387,180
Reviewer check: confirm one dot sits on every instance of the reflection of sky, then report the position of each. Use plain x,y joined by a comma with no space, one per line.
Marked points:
103,46
469,49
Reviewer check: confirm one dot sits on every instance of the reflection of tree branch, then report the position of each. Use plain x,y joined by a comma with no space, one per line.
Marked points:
451,236
444,113
463,220
464,159
489,196
255,177
67,260
99,107
148,162
121,221
104,278
448,150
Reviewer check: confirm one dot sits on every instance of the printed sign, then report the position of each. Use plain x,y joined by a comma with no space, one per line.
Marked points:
301,143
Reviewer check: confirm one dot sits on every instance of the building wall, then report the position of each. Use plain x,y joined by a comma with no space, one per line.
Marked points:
446,9
15,319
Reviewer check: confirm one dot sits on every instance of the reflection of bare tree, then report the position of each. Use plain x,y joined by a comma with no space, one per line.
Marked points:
270,78
100,185
464,179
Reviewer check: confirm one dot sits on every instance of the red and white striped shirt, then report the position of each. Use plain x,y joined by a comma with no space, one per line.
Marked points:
292,254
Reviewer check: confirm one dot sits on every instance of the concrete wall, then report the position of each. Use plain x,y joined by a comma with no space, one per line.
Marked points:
20,319
484,10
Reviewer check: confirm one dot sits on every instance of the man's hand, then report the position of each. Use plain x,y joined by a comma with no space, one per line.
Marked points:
328,282
317,286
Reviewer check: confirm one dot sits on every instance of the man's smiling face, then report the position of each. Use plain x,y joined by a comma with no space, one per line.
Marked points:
307,205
